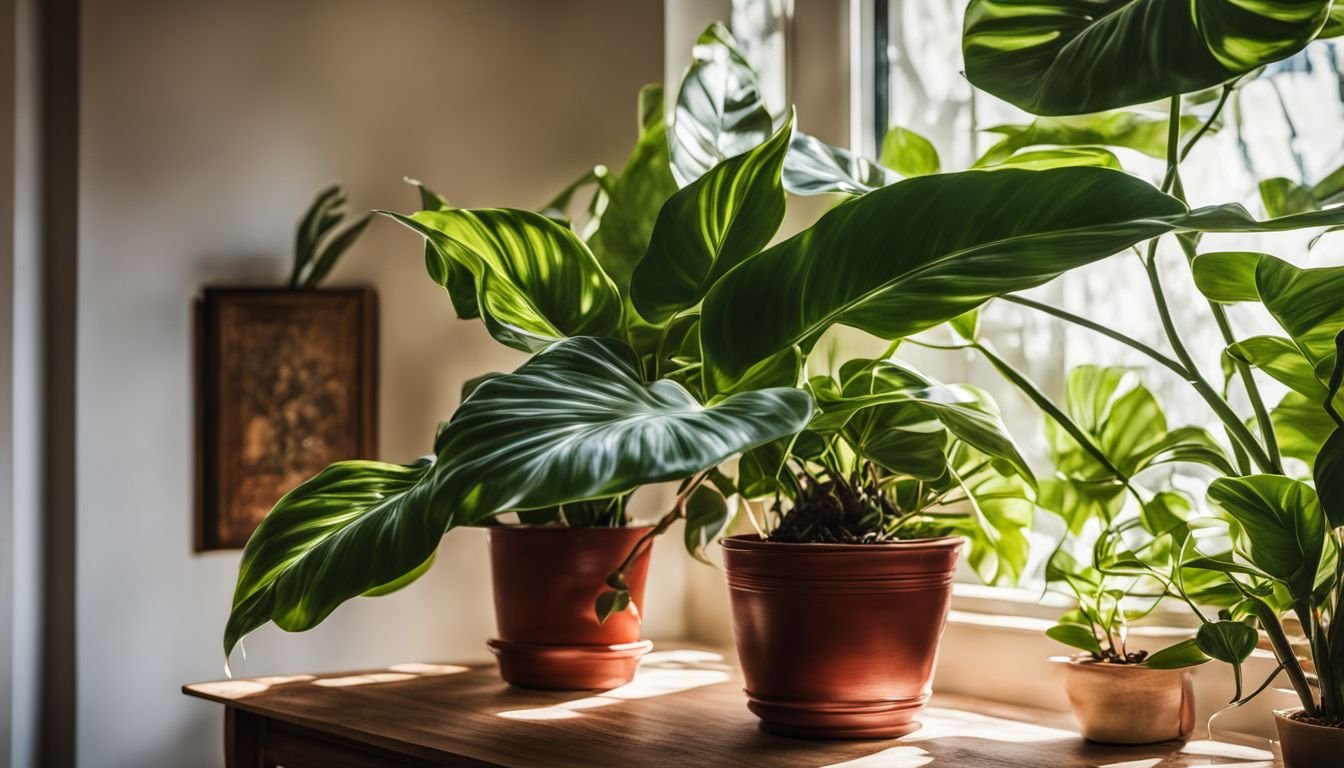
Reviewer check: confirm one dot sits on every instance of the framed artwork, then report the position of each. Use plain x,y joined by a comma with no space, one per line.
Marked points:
286,384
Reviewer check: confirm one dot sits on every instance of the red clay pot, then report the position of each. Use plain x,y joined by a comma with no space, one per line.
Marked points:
839,640
1305,745
546,581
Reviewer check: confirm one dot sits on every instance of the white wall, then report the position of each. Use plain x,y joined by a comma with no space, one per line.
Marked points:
206,127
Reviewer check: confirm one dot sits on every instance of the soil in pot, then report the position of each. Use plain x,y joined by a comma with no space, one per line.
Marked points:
1124,703
1308,742
546,580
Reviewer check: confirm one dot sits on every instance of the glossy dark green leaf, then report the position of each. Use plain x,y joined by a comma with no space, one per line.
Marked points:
576,422
1283,523
1307,303
1183,654
721,219
1133,130
884,262
706,517
813,167
1068,57
719,111
453,276
1227,641
536,281
908,153
1329,476
610,603
636,196
1076,636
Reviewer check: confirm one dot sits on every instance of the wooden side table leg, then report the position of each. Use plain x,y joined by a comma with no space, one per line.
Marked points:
244,739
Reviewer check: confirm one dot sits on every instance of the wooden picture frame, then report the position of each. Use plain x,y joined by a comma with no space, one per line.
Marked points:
286,384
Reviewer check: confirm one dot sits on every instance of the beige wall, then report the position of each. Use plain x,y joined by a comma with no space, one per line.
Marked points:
206,128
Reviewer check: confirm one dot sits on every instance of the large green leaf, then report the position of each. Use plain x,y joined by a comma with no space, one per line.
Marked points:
1068,57
1133,130
1283,361
922,251
1308,303
719,111
710,226
536,281
454,277
1002,512
1329,476
1302,427
636,195
576,422
1282,522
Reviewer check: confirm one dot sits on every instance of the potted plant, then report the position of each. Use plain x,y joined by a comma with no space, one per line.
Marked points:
1126,526
863,518
873,264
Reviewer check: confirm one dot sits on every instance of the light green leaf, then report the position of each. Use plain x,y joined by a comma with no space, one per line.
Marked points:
536,281
710,226
1283,361
706,517
908,153
1166,512
1062,57
967,326
883,262
1283,523
576,422
719,111
1183,654
813,167
1307,303
1075,635
636,196
1302,427
1144,133
1282,197
1064,157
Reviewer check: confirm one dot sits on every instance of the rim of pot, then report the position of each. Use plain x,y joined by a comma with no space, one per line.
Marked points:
752,541
1082,660
1288,712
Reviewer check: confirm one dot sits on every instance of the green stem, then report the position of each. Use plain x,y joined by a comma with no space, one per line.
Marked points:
1284,651
1111,333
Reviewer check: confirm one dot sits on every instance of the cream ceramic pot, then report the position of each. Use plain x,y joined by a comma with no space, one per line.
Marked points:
1127,704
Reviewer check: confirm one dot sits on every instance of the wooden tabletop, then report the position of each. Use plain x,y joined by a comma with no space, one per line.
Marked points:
684,709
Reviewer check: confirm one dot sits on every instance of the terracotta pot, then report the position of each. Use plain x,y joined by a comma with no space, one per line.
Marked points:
546,581
839,640
1126,704
1305,745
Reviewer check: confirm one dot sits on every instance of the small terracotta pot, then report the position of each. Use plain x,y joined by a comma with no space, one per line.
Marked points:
839,640
1127,704
1305,745
547,579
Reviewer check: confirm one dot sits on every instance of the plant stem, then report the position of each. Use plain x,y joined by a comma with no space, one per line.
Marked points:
1283,650
1079,320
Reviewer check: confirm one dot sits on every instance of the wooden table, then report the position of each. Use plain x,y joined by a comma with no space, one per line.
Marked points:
685,710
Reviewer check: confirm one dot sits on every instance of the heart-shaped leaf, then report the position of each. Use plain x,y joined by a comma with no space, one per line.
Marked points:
1227,641
576,422
710,226
706,516
908,153
536,281
1283,524
883,262
1069,57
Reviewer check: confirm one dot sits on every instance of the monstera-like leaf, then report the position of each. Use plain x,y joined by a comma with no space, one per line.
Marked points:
576,422
536,281
1069,57
923,251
